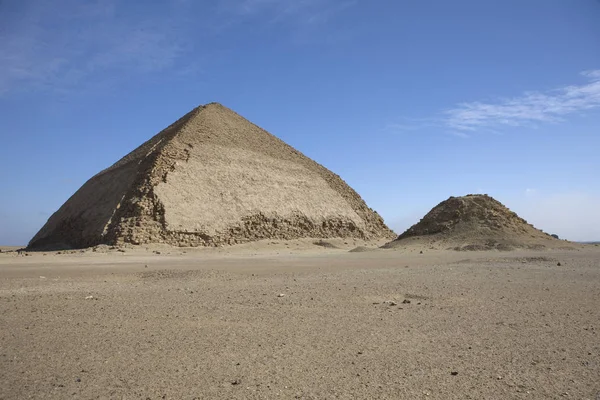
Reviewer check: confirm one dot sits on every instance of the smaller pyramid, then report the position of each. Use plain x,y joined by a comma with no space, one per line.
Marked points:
475,222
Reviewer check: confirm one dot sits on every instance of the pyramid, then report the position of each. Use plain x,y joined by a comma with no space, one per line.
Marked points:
474,222
211,178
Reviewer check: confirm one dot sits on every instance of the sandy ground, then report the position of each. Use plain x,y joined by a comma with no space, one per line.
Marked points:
299,321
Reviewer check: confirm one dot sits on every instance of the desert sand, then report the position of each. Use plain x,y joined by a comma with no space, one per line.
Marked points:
287,320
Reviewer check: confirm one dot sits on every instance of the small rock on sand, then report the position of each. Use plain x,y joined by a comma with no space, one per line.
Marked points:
360,249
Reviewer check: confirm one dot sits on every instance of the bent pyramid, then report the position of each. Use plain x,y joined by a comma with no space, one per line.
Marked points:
475,222
211,178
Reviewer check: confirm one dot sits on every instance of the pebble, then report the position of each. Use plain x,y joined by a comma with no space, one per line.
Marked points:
454,373
281,295
405,301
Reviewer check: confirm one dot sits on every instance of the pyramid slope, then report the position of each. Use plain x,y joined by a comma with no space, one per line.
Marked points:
209,179
475,222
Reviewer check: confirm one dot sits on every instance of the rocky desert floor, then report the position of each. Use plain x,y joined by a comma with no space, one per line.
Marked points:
299,321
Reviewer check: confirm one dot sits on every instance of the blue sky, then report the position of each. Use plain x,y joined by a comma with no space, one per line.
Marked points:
409,101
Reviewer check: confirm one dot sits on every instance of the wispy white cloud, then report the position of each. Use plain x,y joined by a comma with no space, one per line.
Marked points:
63,44
406,124
528,109
326,13
68,45
304,12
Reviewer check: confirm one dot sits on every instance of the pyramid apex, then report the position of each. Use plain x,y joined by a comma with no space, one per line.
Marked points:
213,104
